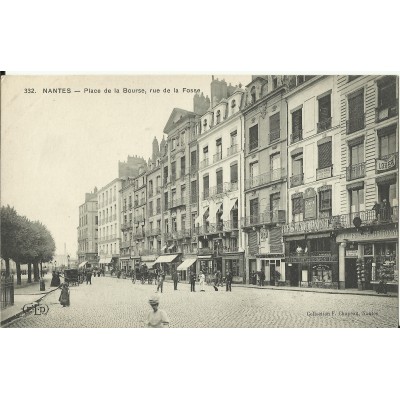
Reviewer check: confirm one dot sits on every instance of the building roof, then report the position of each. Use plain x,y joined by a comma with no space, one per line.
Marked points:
178,115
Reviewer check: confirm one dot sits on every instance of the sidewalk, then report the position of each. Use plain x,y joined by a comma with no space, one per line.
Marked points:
25,294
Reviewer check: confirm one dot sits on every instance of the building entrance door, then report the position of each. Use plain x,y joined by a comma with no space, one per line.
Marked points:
350,273
294,275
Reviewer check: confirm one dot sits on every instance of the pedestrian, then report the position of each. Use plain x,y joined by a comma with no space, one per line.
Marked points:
157,318
202,279
55,280
192,281
377,209
229,281
64,295
161,277
88,276
175,277
216,281
262,278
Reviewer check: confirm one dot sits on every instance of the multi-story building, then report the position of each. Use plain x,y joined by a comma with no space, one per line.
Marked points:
314,169
265,169
126,243
139,217
109,203
179,184
88,230
221,202
367,227
154,208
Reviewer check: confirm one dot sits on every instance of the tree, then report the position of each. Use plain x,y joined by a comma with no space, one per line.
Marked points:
9,233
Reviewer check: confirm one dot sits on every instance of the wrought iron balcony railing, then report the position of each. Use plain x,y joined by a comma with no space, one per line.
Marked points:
265,179
296,135
266,218
274,135
253,145
324,125
204,163
296,180
355,171
232,150
368,218
217,157
179,201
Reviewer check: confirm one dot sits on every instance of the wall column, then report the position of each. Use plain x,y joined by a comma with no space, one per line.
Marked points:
342,250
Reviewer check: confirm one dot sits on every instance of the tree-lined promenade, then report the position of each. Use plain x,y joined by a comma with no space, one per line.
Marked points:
24,242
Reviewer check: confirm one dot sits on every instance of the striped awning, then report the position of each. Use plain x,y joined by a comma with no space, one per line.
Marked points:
167,258
82,264
186,264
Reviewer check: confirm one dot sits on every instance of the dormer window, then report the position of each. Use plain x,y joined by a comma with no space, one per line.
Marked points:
253,94
218,116
233,103
205,124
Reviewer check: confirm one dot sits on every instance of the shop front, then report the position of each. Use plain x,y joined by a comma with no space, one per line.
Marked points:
368,256
273,268
235,263
185,267
125,263
105,263
168,263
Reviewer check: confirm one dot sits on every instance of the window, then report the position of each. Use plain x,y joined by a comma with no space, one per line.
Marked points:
234,172
174,225
183,221
297,209
166,225
253,172
387,101
274,83
274,200
183,166
275,166
388,191
218,145
183,192
253,137
150,188
325,200
218,116
173,195
254,208
324,113
151,208
357,154
158,206
300,79
297,170
297,125
173,171
357,200
165,200
274,127
253,94
205,152
182,138
193,192
220,181
356,111
387,141
233,138
205,186
193,160
165,175
325,155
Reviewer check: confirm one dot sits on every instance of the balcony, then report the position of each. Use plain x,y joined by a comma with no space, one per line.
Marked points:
296,136
232,150
322,173
126,225
267,218
355,123
205,251
265,179
138,235
231,225
274,135
179,201
324,125
153,232
355,171
217,157
387,111
344,221
296,180
253,145
150,252
386,163
204,163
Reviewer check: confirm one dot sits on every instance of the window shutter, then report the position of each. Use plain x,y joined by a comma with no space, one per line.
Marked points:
275,241
253,245
297,205
325,155
274,126
234,173
325,108
356,105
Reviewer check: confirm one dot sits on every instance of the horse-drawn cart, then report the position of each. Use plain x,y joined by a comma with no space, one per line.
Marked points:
71,276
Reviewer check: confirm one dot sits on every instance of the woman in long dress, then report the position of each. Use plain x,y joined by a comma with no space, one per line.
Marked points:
64,296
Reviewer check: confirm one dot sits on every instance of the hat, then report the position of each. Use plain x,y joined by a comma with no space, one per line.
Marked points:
154,299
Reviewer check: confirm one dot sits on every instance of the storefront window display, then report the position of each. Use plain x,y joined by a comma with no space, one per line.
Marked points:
322,274
386,264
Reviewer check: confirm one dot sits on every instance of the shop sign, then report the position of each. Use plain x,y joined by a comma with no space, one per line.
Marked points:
358,236
351,253
388,163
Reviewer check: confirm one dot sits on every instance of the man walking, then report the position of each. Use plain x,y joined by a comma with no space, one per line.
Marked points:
175,278
161,278
192,281
229,281
88,276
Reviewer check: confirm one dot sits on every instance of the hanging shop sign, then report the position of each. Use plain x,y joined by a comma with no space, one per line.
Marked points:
363,236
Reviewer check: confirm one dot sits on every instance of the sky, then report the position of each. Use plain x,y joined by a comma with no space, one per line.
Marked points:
55,147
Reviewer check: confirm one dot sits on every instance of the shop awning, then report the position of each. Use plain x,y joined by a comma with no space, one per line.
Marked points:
186,264
167,258
209,257
82,264
105,260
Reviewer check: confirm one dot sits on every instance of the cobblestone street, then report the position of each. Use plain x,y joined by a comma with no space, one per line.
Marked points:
111,302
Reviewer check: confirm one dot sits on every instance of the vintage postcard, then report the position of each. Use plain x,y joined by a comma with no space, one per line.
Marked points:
199,201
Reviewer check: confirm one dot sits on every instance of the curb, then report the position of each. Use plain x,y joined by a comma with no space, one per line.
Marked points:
20,313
